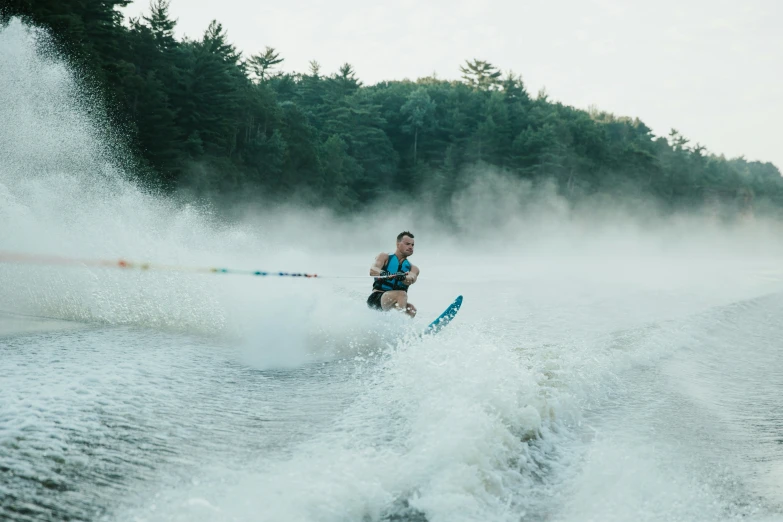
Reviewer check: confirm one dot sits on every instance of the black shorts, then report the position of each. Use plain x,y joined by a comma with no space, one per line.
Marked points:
374,301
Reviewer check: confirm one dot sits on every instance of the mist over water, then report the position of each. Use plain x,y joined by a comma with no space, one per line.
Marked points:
609,363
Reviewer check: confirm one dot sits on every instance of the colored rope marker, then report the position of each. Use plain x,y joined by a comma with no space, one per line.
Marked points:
17,258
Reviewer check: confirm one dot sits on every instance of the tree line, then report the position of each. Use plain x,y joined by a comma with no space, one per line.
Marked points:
200,116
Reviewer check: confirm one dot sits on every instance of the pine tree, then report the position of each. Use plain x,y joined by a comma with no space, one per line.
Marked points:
259,64
480,75
160,24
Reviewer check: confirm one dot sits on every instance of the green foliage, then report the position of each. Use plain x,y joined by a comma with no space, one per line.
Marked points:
202,118
260,63
480,75
417,110
160,24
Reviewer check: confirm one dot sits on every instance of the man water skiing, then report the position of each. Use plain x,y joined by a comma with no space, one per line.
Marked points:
392,292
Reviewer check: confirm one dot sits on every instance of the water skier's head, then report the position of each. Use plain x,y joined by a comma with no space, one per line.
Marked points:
405,243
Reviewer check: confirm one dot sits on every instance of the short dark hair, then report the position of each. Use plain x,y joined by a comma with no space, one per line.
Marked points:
403,234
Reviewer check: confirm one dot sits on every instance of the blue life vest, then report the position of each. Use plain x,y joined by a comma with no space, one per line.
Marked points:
392,265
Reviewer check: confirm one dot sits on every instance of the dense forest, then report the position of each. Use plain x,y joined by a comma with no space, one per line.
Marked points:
202,117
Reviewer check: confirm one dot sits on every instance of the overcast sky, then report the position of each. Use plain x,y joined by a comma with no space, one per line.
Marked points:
712,69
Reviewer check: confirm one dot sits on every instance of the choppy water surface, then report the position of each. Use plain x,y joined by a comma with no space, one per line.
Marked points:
674,420
89,416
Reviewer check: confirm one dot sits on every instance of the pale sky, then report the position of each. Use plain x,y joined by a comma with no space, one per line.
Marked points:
712,69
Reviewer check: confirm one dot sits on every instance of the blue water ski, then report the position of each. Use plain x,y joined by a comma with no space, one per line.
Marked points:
444,318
